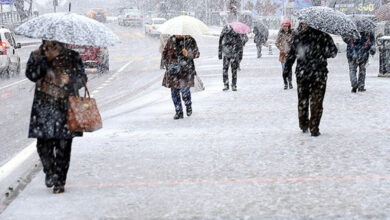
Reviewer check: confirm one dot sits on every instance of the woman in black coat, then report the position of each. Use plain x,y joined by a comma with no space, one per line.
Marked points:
311,48
58,73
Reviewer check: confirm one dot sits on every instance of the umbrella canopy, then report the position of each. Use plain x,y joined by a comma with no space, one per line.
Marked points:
239,27
262,28
383,13
363,23
183,25
328,20
69,28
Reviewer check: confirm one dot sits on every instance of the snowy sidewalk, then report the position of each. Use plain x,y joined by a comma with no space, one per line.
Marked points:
240,155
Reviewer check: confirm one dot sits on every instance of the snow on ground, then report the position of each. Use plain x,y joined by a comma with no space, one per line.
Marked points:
240,155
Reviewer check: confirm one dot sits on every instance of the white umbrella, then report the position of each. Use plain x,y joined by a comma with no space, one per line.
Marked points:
183,25
69,28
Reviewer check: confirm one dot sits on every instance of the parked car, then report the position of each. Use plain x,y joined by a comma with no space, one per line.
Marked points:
130,16
9,57
93,57
98,14
152,25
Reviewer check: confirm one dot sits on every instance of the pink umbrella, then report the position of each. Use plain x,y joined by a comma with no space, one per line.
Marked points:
239,27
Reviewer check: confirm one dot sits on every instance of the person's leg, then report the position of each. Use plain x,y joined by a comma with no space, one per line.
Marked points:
362,76
46,154
289,77
317,95
177,102
235,64
186,94
226,64
259,47
303,103
352,74
63,150
285,77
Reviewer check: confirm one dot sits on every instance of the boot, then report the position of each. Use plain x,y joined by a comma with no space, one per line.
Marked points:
178,115
353,89
49,181
290,86
226,87
285,86
234,88
189,110
58,189
361,89
315,133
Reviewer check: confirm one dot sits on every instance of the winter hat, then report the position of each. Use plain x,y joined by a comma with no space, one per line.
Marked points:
286,22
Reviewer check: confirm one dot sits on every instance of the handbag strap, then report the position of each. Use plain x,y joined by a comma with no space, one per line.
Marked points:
86,91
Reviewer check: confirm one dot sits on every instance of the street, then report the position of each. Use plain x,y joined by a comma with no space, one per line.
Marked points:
241,155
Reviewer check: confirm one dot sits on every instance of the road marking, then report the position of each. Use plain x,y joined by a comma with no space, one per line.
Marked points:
128,35
5,95
119,58
232,181
144,69
156,58
140,35
13,84
138,58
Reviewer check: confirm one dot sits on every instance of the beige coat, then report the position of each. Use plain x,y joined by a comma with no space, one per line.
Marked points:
283,43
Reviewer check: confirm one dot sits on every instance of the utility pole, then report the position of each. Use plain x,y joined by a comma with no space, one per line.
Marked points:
55,4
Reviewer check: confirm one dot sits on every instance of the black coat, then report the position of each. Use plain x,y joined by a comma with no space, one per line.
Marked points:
49,114
231,44
311,48
360,48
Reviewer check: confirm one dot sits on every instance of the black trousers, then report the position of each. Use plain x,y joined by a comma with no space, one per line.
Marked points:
234,63
311,92
55,157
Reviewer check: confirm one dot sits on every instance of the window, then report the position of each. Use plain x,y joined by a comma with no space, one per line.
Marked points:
9,38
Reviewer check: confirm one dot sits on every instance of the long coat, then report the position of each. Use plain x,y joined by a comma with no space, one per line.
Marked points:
261,34
360,48
173,53
231,44
311,48
283,43
50,105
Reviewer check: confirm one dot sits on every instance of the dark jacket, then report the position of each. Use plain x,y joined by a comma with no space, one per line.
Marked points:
173,53
360,48
261,35
230,43
311,48
50,106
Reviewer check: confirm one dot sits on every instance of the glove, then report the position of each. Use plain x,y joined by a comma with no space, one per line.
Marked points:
372,51
220,56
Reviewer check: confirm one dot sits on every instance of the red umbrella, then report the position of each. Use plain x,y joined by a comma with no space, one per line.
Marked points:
239,27
383,13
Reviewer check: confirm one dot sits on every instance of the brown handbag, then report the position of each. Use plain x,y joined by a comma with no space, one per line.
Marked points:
83,114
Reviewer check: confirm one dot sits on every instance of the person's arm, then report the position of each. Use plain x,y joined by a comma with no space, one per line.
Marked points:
291,56
78,78
193,51
278,42
220,44
165,54
330,47
36,65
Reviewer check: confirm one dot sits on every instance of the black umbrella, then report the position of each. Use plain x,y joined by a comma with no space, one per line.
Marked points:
328,20
363,23
262,28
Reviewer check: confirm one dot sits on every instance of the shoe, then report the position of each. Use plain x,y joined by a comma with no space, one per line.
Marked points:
234,88
304,130
353,90
189,110
58,189
226,88
178,115
315,133
49,181
361,89
290,86
285,87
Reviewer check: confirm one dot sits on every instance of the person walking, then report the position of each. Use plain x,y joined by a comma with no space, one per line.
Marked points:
58,73
261,37
163,41
178,58
283,43
230,49
357,54
311,48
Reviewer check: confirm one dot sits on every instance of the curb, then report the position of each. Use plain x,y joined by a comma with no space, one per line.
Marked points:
17,173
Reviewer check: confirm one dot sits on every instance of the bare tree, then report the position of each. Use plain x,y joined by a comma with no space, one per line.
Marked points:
19,5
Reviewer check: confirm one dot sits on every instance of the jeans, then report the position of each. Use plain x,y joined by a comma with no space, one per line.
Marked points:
186,94
234,63
286,78
55,157
353,65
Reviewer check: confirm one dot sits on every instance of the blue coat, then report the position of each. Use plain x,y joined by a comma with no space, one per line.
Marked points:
361,48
